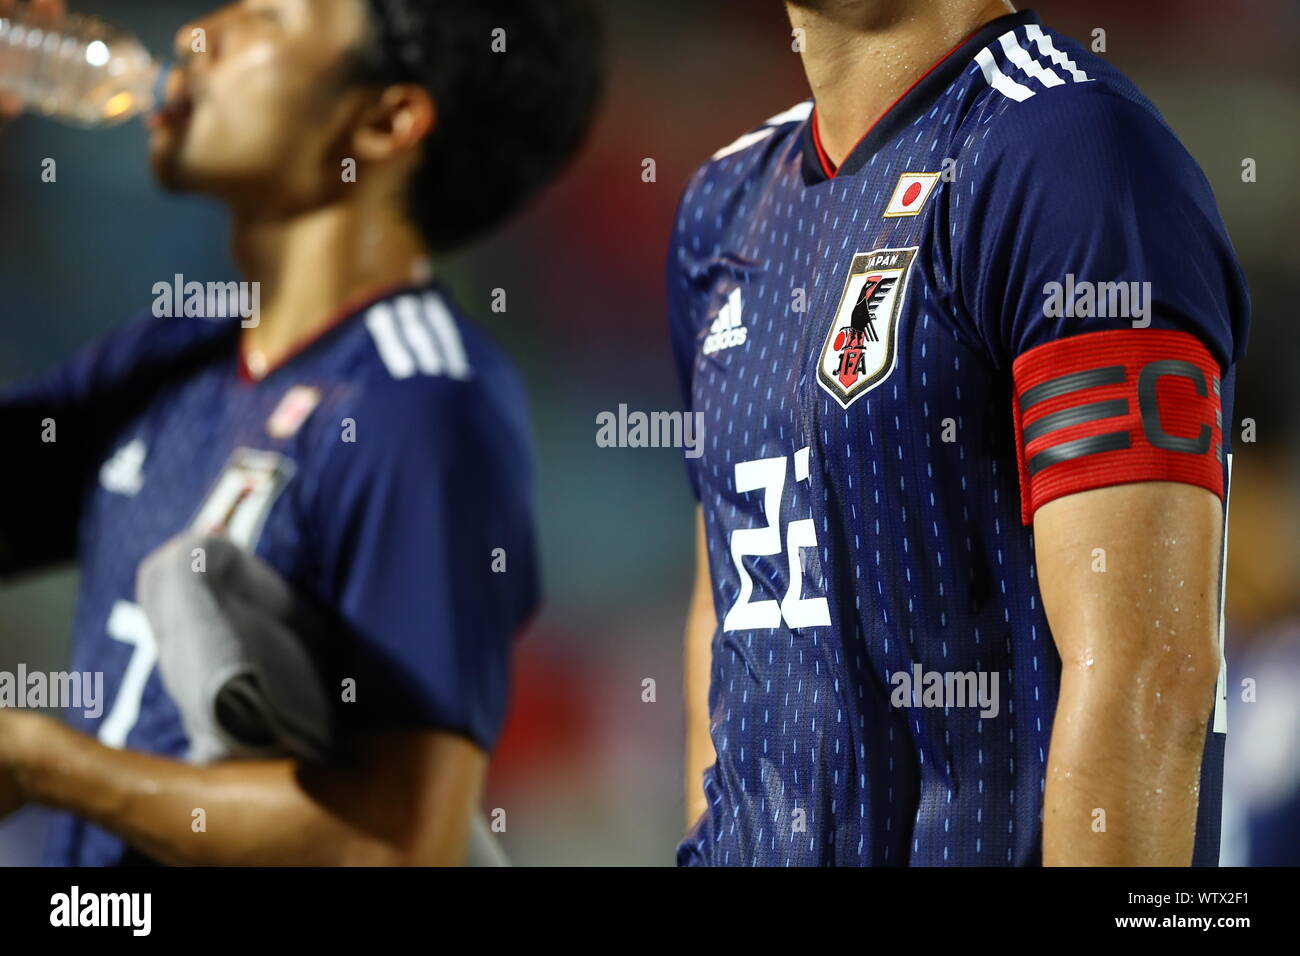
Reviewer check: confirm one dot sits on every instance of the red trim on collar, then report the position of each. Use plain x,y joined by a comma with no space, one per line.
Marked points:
829,169
337,318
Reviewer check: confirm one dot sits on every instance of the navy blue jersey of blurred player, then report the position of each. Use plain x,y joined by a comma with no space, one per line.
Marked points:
897,361
385,470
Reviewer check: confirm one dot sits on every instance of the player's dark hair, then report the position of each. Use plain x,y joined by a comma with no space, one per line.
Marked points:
516,83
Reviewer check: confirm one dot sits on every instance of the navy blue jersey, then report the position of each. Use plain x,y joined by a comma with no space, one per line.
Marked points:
896,362
385,471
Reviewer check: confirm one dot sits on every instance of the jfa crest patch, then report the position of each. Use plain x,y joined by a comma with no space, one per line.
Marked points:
242,498
860,347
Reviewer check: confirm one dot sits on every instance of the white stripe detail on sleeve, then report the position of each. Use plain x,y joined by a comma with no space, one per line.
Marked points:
383,329
1021,58
999,80
746,141
411,316
1045,47
448,336
796,113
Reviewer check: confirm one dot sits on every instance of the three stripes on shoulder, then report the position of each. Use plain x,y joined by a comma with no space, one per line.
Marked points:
796,114
417,334
1042,62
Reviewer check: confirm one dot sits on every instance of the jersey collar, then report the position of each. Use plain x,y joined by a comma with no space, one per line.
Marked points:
251,372
915,101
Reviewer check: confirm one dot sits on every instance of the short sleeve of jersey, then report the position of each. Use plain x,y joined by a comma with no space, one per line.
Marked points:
1082,185
59,424
1085,244
425,521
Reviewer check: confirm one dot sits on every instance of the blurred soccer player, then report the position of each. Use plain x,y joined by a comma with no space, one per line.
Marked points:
362,437
962,492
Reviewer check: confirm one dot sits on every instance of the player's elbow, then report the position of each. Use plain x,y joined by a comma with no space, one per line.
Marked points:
1158,685
1177,689
369,852
375,853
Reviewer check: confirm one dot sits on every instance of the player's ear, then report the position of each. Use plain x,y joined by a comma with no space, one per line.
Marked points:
398,119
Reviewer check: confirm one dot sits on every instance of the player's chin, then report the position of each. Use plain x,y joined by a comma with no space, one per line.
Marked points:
165,158
172,169
171,180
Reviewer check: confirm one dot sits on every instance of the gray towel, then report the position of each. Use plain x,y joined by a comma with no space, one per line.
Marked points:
234,652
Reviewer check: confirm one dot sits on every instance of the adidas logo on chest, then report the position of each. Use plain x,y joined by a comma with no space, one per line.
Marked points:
727,330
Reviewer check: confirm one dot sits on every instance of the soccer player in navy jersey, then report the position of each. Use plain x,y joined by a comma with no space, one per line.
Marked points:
362,437
964,477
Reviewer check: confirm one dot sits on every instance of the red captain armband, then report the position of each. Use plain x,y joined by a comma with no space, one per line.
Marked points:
1109,408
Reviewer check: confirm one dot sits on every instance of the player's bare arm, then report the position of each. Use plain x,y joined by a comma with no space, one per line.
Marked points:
398,799
1130,580
701,623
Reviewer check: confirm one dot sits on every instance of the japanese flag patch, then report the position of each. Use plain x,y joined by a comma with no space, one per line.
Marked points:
910,194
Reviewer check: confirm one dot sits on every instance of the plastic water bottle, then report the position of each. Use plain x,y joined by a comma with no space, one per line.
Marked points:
76,69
